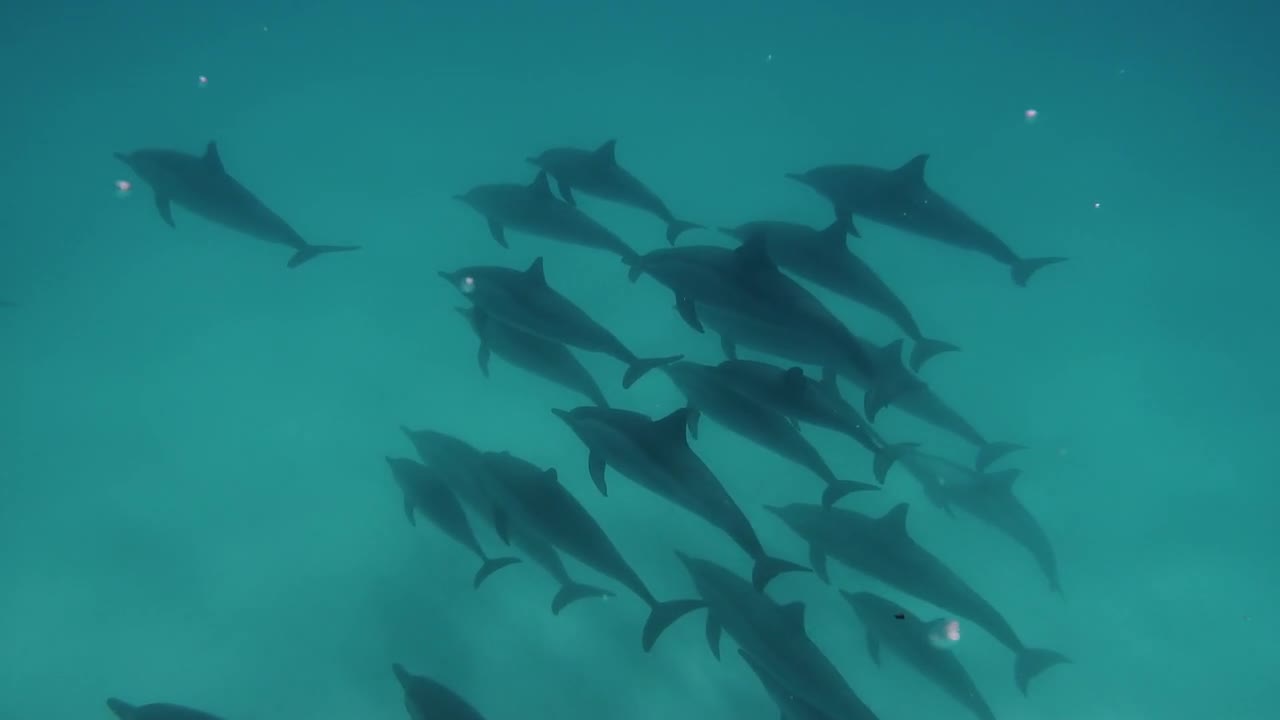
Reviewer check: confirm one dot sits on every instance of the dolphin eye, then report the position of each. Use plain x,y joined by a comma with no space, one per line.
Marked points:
468,285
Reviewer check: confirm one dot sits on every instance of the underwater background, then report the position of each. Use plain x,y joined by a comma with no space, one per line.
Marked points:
194,502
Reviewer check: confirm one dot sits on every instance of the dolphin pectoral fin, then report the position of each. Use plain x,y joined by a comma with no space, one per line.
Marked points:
675,228
409,510
566,192
502,525
728,347
926,349
573,592
887,456
844,216
989,453
640,366
490,566
165,210
662,615
873,648
818,561
311,252
595,465
713,635
1030,662
1022,270
482,357
692,421
767,568
498,233
838,489
689,313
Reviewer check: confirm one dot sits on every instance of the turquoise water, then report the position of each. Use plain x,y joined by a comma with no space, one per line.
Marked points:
195,506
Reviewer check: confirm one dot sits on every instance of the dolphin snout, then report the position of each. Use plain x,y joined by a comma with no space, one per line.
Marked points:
122,709
564,415
447,276
534,161
798,177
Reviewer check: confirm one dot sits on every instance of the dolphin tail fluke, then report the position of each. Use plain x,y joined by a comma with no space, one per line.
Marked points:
676,227
926,349
491,566
640,366
887,456
989,453
1033,661
662,616
310,252
838,489
573,592
767,568
1022,270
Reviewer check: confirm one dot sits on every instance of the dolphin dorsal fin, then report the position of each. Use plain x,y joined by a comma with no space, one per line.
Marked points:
913,170
674,427
541,186
535,272
606,152
753,255
793,614
895,520
550,476
836,235
794,380
212,159
830,382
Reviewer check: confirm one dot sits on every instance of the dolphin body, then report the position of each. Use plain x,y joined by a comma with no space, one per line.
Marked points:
535,210
428,699
902,199
597,172
989,498
888,623
463,468
791,706
880,547
536,498
919,400
524,300
425,492
706,391
792,393
774,637
201,185
156,711
823,257
532,353
655,454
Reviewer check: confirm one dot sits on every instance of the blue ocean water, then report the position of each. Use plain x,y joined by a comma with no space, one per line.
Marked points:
194,503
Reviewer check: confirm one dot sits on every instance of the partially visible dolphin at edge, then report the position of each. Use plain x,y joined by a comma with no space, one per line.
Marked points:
791,706
597,172
202,186
901,198
428,699
532,353
156,711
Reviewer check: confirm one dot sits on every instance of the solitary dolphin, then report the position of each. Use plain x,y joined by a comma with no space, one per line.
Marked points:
900,198
463,468
988,497
535,497
425,492
156,711
774,637
706,390
533,353
533,209
597,172
203,187
823,257
427,699
524,300
880,547
655,454
910,637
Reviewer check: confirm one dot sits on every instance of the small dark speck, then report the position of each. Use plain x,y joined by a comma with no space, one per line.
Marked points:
900,616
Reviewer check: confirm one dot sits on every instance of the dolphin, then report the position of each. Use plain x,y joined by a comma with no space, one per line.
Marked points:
823,257
533,209
202,186
989,498
427,699
792,393
706,390
597,172
655,454
535,498
463,468
791,706
774,637
535,354
890,624
425,492
881,548
156,711
525,301
902,199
